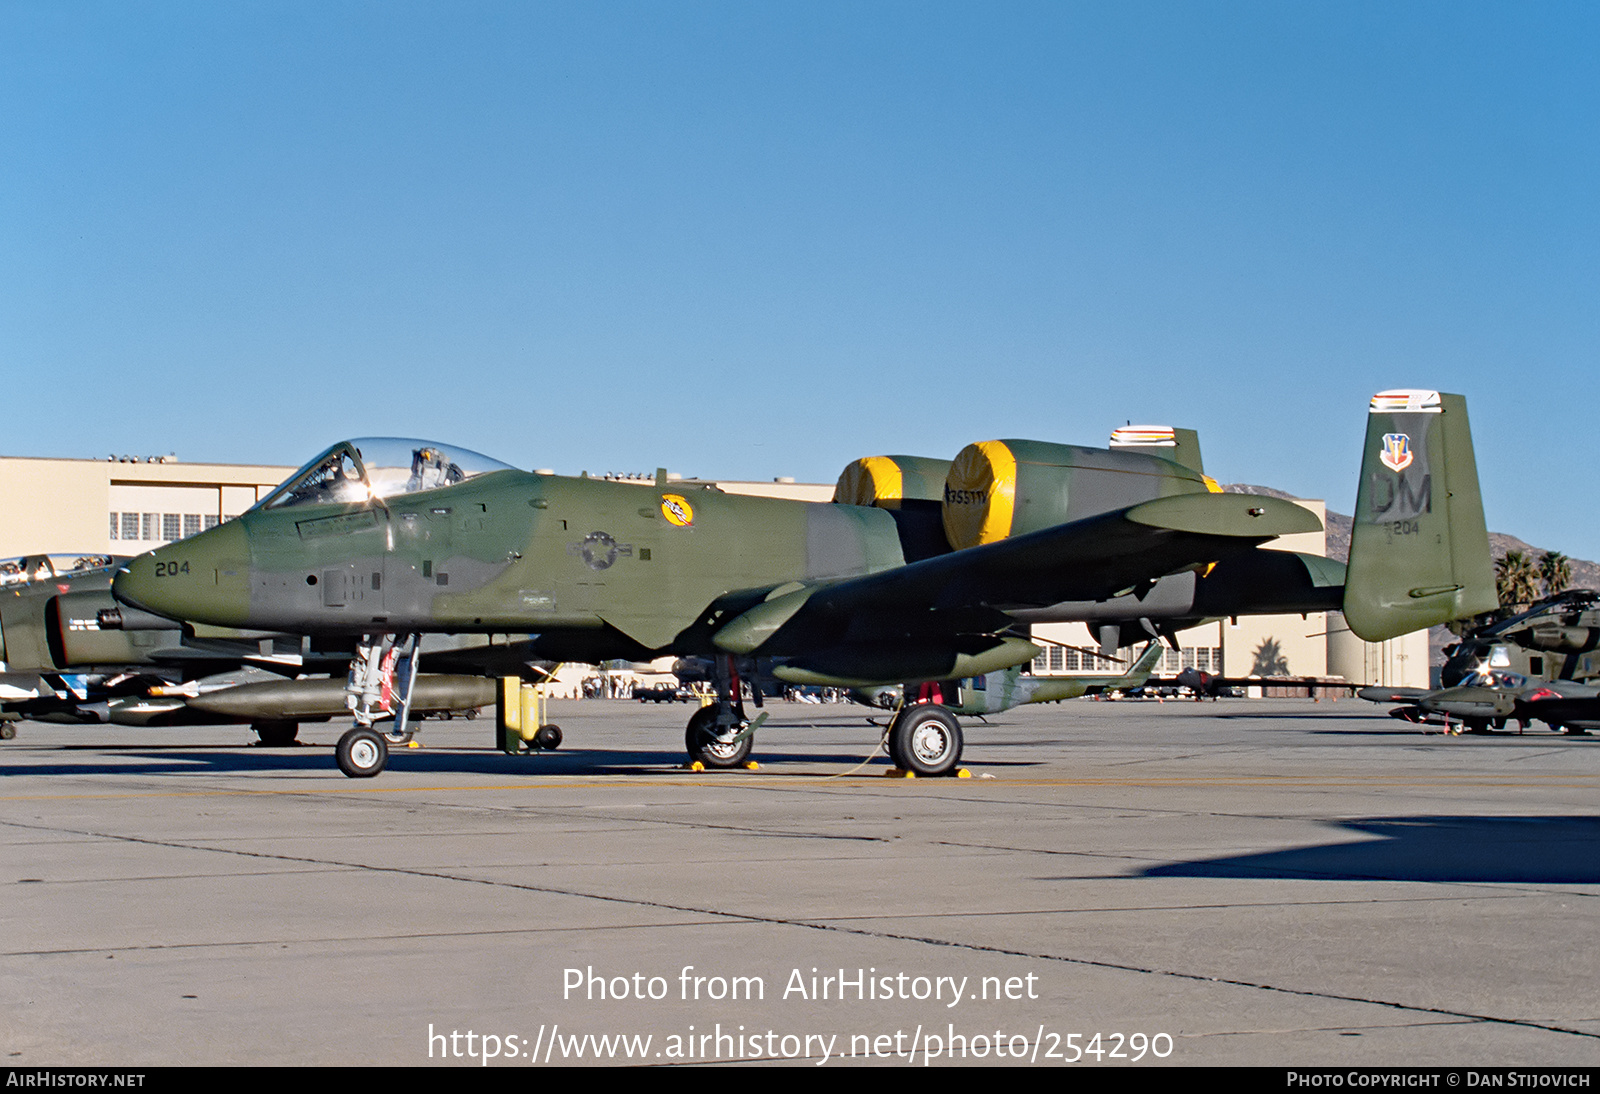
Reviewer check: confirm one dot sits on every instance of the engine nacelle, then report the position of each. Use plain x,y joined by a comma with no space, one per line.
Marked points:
886,481
998,489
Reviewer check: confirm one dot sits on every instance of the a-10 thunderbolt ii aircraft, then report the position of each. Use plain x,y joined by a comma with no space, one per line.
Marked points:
909,577
68,653
1540,664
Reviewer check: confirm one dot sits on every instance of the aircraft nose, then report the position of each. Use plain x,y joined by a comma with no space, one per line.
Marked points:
202,579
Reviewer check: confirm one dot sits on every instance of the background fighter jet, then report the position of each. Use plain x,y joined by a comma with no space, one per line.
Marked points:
378,538
69,653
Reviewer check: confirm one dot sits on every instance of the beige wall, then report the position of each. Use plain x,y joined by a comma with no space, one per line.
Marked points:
1398,663
795,491
49,506
1254,642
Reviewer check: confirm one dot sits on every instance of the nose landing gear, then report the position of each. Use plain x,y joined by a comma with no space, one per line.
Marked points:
362,753
383,675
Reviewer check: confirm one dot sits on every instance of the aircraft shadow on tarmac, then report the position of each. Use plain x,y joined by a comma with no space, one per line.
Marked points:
1274,714
1507,737
1531,850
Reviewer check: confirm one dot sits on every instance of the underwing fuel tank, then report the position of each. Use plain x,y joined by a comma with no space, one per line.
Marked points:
322,697
862,666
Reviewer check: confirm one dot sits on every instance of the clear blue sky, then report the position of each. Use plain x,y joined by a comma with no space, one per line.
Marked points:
755,239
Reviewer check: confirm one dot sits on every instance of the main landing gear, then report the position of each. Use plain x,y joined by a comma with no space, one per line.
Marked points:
720,735
925,739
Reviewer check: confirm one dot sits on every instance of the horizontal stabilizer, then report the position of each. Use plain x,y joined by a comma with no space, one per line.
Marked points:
1245,515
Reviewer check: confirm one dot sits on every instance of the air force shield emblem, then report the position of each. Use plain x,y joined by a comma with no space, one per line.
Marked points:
1396,454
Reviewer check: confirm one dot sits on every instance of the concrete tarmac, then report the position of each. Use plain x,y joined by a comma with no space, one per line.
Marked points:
1131,884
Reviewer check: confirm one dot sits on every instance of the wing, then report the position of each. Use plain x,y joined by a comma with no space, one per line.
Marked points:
970,590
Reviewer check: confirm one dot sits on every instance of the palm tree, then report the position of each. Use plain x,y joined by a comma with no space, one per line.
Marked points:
1516,579
1555,571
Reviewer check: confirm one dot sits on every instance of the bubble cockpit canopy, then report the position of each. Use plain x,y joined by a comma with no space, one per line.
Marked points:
368,468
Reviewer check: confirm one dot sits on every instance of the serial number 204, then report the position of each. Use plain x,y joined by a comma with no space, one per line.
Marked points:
171,569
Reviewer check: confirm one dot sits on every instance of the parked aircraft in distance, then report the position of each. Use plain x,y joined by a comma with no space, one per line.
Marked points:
69,653
1537,665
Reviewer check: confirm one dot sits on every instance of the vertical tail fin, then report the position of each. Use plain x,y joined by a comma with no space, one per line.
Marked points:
1181,446
1419,548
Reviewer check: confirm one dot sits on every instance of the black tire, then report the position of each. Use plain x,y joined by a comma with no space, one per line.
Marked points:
276,734
701,741
926,739
8,732
547,738
362,753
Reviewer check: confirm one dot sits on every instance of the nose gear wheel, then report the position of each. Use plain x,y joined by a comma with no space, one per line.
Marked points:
362,753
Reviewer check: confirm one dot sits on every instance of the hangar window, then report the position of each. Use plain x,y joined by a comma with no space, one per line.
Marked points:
191,524
130,526
171,526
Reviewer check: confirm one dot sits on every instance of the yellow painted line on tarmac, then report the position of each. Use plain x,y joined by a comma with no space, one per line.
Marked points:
573,783
1311,780
624,782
